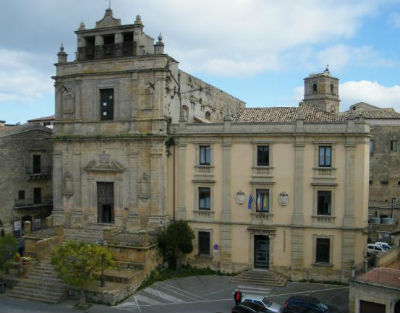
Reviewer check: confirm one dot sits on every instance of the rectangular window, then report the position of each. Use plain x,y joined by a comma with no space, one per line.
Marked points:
371,148
262,200
107,104
322,253
21,194
393,145
324,202
262,155
325,156
204,242
37,195
205,155
36,164
204,198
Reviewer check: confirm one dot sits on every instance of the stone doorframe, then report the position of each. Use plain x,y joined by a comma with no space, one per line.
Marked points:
261,231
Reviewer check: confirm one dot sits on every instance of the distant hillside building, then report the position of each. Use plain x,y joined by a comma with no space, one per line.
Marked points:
384,180
26,172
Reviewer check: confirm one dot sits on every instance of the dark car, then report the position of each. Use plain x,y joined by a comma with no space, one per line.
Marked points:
246,307
306,304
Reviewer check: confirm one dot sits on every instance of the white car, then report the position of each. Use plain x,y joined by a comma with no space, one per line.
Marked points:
384,245
374,249
264,302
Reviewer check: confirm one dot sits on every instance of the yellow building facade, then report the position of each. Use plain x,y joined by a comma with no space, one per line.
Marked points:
284,189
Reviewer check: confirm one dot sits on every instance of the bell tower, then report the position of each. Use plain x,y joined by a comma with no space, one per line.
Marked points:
322,91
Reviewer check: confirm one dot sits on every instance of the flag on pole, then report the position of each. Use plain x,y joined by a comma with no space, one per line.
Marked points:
250,204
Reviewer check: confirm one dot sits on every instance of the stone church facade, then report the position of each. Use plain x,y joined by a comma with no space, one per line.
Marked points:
138,142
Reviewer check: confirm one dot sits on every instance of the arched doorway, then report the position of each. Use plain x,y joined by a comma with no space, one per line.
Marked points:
397,307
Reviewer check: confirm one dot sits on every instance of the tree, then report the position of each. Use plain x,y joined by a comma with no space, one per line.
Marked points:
175,241
78,264
8,248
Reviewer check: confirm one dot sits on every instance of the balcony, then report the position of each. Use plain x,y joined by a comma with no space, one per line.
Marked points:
204,170
106,51
21,204
39,174
261,218
325,219
324,172
203,215
262,171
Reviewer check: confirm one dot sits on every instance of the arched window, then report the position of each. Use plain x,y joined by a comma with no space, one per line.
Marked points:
332,89
314,88
208,115
185,112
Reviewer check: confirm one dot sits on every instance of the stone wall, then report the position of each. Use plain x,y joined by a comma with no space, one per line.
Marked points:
17,146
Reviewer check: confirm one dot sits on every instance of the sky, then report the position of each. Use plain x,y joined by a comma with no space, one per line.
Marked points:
256,50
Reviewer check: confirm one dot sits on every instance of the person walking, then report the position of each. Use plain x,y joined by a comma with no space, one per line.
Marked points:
237,296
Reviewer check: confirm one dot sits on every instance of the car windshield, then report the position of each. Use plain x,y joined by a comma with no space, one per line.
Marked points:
322,306
267,302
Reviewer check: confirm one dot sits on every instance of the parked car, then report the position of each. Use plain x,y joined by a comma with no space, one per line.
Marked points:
306,304
374,249
264,302
384,245
246,307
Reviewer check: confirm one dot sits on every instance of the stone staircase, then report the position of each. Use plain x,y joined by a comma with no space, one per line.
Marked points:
260,278
41,284
92,233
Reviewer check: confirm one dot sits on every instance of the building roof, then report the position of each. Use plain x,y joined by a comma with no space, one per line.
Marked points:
18,129
388,277
42,119
368,111
286,115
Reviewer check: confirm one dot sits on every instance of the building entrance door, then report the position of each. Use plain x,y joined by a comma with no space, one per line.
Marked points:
105,202
261,252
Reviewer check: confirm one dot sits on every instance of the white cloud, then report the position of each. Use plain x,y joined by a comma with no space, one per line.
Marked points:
339,56
20,80
394,19
246,37
370,92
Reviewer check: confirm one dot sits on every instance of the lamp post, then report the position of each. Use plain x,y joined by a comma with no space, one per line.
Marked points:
102,280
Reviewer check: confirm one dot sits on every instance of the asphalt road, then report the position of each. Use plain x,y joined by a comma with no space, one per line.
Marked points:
198,294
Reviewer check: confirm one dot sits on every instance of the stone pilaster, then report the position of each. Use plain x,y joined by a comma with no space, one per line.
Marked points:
58,211
348,219
297,254
298,215
157,200
348,248
77,214
226,229
181,188
133,222
118,202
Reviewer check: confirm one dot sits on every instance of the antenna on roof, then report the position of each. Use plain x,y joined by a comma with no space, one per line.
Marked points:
109,4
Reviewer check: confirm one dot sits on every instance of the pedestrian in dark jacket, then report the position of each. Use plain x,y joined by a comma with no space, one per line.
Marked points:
237,296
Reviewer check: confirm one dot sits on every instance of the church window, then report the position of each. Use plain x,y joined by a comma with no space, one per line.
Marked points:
314,87
36,167
204,198
205,155
262,155
393,145
371,148
325,156
324,202
332,89
208,115
262,200
107,104
322,253
204,242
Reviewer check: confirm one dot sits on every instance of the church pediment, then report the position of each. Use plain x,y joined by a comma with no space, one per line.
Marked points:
108,20
113,167
104,165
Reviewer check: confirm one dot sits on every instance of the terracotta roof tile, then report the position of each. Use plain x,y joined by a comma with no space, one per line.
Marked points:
382,276
373,114
285,115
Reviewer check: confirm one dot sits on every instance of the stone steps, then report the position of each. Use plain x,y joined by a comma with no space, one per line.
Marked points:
260,278
41,284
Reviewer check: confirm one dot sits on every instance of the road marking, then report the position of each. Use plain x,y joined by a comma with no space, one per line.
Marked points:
147,300
137,303
307,291
188,294
162,295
